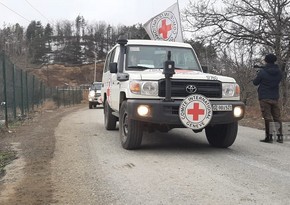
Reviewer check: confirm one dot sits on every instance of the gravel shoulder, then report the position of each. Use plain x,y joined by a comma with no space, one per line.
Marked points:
28,178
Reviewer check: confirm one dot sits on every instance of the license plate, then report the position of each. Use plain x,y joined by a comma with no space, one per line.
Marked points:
222,107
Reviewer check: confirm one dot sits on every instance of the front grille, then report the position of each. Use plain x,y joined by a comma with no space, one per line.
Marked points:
171,109
208,88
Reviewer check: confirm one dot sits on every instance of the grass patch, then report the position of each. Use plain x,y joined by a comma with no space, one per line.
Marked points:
6,157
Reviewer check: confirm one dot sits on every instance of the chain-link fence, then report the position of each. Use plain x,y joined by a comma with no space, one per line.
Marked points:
21,93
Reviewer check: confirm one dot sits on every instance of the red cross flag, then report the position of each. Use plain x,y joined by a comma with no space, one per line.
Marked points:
165,26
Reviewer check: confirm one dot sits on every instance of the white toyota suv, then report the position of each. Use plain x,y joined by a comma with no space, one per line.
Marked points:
95,94
158,85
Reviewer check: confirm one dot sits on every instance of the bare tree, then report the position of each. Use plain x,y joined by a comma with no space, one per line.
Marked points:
264,23
242,58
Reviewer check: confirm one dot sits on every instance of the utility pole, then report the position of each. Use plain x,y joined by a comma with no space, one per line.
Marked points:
108,35
95,70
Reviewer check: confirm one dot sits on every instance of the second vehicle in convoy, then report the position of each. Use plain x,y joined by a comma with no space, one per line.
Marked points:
95,95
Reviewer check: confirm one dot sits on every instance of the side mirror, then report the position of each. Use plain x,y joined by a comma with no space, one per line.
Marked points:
204,68
113,68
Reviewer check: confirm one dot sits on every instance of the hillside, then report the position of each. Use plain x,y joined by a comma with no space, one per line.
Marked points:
62,75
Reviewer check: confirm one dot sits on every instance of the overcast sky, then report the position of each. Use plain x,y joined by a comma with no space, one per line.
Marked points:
115,12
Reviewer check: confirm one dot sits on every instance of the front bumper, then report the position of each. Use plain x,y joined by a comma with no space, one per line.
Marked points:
162,112
95,100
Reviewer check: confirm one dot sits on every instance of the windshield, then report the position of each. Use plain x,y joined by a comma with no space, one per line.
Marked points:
153,57
97,86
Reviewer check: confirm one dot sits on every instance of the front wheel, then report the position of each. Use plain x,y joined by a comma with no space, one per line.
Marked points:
222,135
131,131
110,119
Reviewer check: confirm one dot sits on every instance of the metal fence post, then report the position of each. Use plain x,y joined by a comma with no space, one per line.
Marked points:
73,97
69,97
22,94
57,97
80,95
40,93
5,90
44,93
33,84
27,96
14,92
63,100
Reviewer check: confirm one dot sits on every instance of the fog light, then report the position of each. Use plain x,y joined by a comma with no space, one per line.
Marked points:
143,110
238,111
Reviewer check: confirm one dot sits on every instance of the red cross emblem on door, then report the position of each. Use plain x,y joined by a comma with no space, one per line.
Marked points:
109,92
195,112
165,29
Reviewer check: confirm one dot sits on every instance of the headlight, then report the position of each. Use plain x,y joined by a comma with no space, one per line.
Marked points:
92,94
231,90
144,110
238,111
144,87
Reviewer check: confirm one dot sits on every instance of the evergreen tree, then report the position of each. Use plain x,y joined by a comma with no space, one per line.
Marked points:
48,32
36,41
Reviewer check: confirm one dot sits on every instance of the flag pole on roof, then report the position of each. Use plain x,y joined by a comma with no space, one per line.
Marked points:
165,26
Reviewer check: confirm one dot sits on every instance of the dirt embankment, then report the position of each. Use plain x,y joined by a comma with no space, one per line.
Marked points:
62,75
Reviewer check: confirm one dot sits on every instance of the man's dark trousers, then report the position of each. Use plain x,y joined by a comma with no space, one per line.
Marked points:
271,113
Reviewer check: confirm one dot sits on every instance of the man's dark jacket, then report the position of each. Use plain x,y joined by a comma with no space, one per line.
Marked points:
268,79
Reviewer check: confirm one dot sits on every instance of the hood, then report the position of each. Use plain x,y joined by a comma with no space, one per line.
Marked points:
272,69
153,74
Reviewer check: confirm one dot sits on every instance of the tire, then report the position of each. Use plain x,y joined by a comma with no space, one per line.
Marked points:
222,136
131,131
109,119
90,105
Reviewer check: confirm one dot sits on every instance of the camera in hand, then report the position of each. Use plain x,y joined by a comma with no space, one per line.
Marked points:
258,68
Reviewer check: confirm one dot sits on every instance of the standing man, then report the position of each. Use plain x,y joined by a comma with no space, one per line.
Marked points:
268,80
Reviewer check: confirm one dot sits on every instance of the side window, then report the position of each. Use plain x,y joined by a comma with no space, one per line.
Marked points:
107,63
110,58
116,54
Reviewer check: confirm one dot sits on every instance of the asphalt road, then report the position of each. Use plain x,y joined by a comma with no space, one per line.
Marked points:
91,167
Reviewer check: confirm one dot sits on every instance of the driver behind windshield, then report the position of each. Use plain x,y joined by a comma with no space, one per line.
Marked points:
133,60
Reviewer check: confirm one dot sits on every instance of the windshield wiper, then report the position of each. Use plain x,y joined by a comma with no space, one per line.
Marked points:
176,68
188,69
138,67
